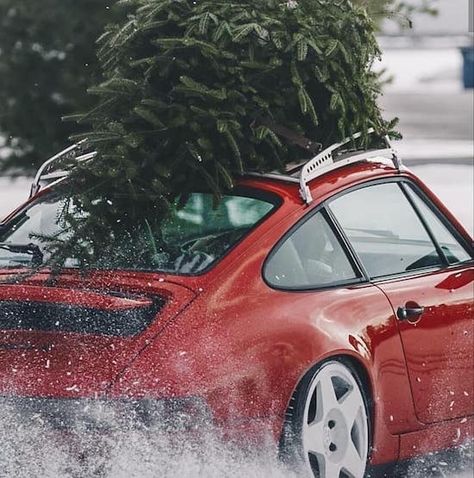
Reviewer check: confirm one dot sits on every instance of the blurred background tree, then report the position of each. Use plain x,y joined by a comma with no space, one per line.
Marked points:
47,61
396,10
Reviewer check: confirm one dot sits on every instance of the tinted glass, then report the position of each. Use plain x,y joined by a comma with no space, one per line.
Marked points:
454,251
189,241
311,257
385,230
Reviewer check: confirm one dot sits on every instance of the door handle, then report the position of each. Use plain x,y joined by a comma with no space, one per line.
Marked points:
411,312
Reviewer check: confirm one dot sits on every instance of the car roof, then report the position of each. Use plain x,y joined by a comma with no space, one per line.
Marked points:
288,187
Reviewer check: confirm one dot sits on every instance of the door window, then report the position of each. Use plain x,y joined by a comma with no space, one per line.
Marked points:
453,250
384,230
309,258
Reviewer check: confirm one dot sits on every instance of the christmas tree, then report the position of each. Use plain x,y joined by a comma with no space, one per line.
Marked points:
199,92
196,93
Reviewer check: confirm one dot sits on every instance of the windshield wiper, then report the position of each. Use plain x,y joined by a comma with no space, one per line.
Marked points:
31,249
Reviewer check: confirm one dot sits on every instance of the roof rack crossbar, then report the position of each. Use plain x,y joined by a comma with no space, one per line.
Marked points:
76,152
327,161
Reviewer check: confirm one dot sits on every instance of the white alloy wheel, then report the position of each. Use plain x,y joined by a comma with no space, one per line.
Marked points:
334,429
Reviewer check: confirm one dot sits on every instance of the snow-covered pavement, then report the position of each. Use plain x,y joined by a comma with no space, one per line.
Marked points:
426,93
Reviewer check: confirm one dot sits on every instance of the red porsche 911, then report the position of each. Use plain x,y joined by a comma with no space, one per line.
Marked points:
331,307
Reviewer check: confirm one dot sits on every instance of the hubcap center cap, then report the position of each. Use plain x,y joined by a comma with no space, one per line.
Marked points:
335,435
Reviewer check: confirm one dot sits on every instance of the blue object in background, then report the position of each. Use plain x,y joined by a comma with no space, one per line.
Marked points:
468,70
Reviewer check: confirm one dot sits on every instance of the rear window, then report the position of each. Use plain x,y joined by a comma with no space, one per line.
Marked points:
197,233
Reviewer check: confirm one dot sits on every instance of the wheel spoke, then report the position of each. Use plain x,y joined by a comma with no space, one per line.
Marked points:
330,469
326,395
350,406
353,464
313,438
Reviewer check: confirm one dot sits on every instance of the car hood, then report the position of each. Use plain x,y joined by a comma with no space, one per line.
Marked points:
74,335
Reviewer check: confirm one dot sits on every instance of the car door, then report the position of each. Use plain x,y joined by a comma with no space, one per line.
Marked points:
425,269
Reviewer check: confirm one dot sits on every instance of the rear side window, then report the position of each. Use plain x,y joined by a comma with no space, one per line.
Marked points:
311,257
384,230
453,250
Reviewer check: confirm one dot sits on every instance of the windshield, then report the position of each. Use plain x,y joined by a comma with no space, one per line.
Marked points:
190,240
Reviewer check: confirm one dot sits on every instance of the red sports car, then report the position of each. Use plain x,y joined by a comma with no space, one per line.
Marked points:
331,307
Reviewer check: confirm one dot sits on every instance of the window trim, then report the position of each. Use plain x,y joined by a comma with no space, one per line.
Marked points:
403,182
353,260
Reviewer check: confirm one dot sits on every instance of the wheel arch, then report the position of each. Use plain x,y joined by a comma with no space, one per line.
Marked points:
357,363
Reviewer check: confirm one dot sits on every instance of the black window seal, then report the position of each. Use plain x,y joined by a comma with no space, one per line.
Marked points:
400,275
441,254
361,276
408,274
347,244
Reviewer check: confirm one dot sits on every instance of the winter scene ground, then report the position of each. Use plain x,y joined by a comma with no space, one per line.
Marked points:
436,119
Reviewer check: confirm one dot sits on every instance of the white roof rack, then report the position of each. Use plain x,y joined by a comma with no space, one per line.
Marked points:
78,152
324,162
327,161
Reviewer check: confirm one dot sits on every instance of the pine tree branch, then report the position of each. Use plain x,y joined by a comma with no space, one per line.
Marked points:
290,135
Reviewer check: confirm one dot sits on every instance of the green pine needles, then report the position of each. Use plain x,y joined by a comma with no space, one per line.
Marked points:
197,92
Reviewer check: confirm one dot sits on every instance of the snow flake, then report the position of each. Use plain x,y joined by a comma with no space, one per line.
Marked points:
72,388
